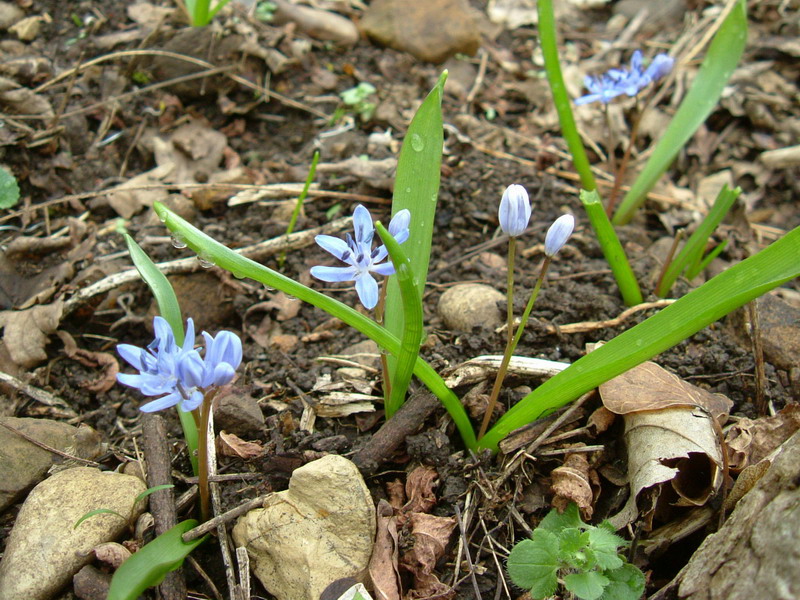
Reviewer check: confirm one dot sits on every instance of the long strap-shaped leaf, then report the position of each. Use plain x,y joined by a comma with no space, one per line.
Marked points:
150,565
773,266
416,188
720,61
240,266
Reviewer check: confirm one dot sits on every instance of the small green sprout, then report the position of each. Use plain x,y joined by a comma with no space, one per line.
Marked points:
584,559
265,11
9,189
200,12
356,100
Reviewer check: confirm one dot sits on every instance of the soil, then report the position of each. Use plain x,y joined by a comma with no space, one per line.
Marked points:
64,164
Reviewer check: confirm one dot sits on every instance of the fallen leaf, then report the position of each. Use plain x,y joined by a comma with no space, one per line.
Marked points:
26,332
230,444
431,534
571,483
383,566
111,553
650,387
600,420
675,446
752,440
419,490
104,360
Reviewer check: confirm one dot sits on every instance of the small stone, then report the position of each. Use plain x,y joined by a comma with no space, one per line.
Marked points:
319,530
779,323
10,14
240,414
24,464
45,549
28,28
430,30
365,353
469,305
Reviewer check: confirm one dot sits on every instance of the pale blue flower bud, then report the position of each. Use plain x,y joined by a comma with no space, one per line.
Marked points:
515,210
558,234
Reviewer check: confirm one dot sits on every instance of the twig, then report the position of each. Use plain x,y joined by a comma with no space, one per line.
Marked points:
758,357
466,553
204,528
204,575
162,502
37,394
44,446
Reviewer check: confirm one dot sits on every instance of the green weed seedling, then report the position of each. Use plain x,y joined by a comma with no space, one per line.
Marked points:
9,189
584,559
201,12
357,101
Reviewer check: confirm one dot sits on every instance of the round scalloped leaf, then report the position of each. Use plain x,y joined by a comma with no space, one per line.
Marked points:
9,190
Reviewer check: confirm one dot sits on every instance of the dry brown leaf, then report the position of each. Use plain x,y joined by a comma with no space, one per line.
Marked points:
26,332
106,361
419,490
600,420
571,483
286,306
676,446
752,440
431,534
383,566
650,387
230,444
396,494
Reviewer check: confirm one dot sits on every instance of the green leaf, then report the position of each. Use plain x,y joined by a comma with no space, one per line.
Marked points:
533,564
9,189
98,511
555,521
412,319
721,59
612,248
626,583
606,560
573,541
774,265
588,586
604,540
240,266
692,252
416,188
150,565
152,490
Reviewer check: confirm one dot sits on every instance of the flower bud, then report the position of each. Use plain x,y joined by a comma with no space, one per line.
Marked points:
515,210
558,234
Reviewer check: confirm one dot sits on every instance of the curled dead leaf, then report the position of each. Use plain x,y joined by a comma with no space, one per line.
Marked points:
383,566
750,440
107,362
572,483
26,332
230,444
431,534
111,553
419,489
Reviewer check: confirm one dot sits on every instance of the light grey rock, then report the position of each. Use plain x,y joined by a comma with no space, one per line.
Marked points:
23,464
44,549
469,305
10,14
319,530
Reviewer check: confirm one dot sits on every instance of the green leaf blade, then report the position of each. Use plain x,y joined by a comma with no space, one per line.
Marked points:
587,586
533,564
9,189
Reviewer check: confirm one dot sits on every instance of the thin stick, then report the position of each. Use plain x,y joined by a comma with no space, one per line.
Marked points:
37,394
466,553
224,518
44,446
758,357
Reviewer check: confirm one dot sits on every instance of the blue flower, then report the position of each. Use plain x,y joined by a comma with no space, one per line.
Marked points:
616,82
177,373
515,210
558,234
356,250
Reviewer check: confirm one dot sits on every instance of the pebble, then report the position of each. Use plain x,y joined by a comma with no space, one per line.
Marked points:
779,322
318,531
430,30
240,414
10,14
470,305
45,549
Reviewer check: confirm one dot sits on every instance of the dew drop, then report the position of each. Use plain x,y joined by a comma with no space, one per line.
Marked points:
417,143
237,274
204,262
178,242
162,217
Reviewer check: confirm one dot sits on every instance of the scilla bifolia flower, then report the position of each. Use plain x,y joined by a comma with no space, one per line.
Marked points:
178,373
356,250
558,234
515,210
616,82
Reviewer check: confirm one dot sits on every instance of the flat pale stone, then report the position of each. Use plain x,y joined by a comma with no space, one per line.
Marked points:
44,549
319,530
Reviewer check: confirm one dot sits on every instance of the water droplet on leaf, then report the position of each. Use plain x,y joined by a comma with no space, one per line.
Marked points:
178,242
417,143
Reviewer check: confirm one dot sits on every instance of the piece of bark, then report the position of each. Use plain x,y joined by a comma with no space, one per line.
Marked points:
756,554
389,438
162,502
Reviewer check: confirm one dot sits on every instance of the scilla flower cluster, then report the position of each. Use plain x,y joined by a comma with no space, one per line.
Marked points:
616,82
178,374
